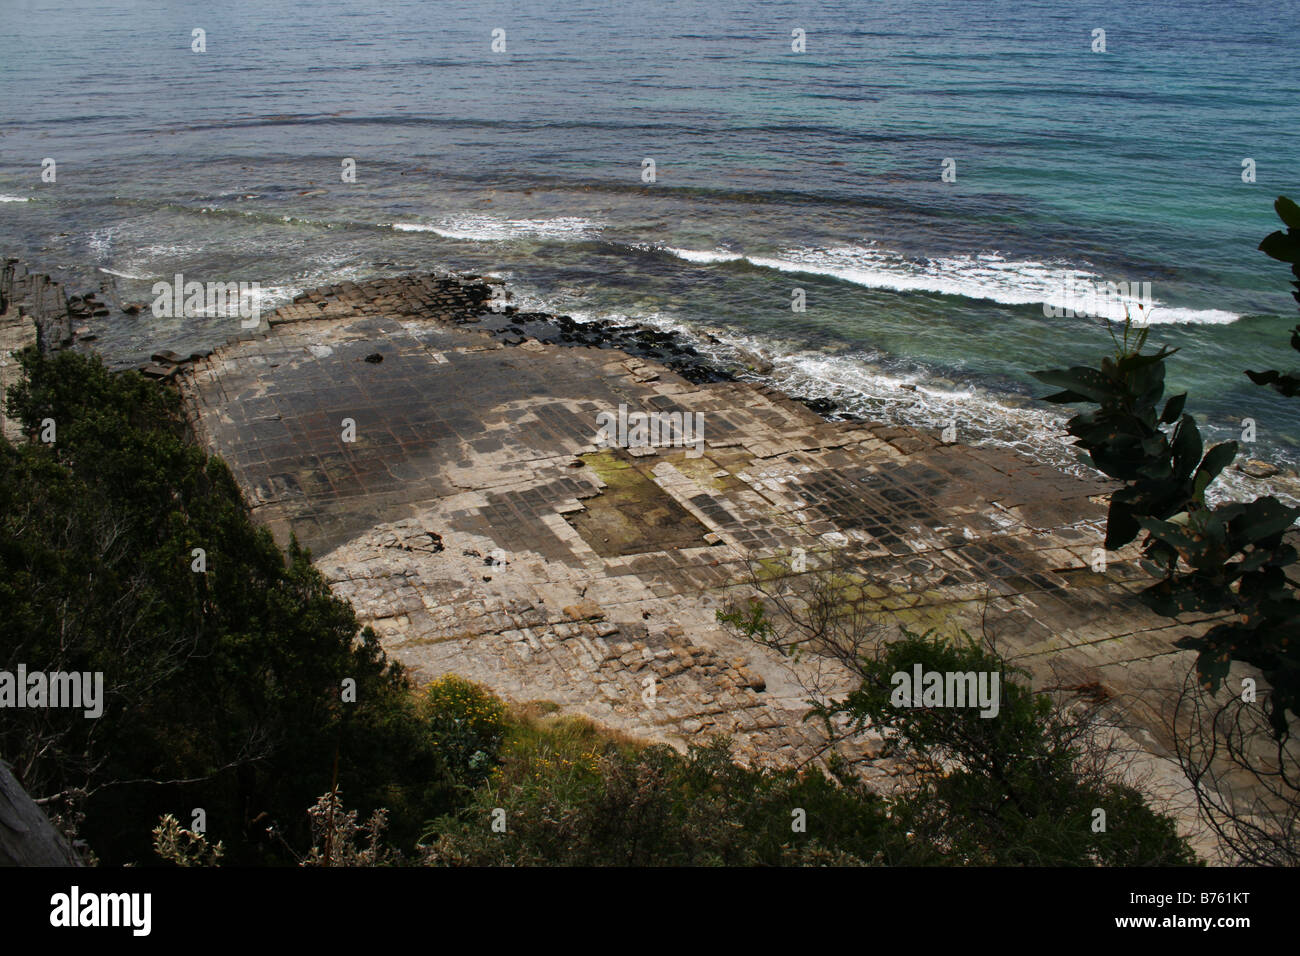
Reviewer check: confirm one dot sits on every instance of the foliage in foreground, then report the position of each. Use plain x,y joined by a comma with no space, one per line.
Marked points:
223,687
563,791
567,794
1230,560
1023,787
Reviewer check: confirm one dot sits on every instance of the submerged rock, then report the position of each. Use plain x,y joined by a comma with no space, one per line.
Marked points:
1257,469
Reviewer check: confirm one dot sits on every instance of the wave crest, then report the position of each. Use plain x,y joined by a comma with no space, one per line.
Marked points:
986,276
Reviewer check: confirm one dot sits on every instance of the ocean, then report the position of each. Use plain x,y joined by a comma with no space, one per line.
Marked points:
774,171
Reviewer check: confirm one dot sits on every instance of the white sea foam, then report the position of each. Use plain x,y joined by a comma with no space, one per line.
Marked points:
493,229
121,275
695,255
271,297
986,276
101,240
978,416
858,383
854,381
169,250
5,198
140,259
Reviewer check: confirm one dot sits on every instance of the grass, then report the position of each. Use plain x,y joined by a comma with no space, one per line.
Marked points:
538,729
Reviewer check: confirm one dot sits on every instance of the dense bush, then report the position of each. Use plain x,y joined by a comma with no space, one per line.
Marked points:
1024,787
573,796
466,725
223,688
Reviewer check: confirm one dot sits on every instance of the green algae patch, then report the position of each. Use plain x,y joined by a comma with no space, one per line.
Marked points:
632,514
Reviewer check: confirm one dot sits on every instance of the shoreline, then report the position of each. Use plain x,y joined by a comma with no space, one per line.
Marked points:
827,384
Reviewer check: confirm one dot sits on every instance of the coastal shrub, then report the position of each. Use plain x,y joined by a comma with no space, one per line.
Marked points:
182,847
1011,785
338,839
1230,560
466,724
1019,787
223,687
1022,789
1284,247
567,794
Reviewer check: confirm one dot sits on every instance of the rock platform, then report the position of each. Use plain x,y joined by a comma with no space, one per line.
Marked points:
476,524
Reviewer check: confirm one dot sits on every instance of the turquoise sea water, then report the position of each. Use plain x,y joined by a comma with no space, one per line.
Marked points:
775,170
